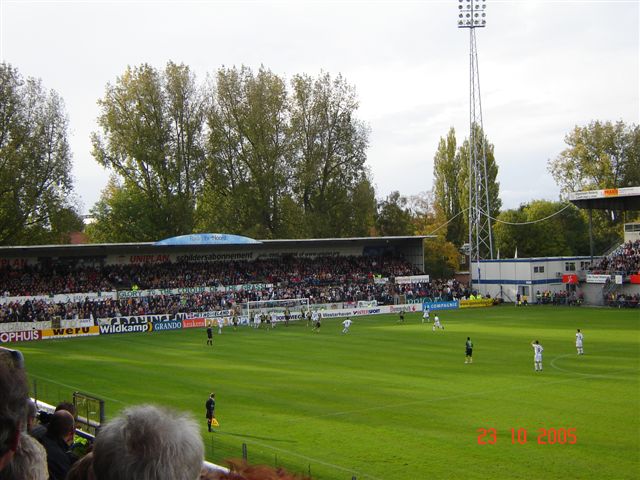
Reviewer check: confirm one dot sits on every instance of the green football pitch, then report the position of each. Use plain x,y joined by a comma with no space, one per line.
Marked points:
388,400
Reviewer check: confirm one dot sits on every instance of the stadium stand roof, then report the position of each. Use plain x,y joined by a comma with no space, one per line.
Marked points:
96,249
608,199
207,239
624,199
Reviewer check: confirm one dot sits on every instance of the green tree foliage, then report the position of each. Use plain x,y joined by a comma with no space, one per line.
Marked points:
451,184
36,188
330,154
448,189
600,155
495,204
243,154
441,257
151,137
250,154
285,164
123,214
362,214
394,216
563,234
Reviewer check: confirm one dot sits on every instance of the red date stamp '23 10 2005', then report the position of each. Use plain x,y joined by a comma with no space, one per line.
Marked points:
546,436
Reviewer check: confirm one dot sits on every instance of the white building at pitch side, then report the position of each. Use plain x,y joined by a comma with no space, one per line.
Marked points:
505,278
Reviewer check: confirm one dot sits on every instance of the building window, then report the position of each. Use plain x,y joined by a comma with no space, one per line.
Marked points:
569,266
584,265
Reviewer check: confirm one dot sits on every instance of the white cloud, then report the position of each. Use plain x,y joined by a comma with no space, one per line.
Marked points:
545,66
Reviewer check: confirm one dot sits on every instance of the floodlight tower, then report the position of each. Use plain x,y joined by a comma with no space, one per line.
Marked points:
472,14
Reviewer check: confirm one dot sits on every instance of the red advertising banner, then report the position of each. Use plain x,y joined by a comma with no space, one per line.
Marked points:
634,278
193,323
570,278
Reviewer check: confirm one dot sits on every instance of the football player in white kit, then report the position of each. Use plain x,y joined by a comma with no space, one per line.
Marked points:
316,319
346,324
537,355
425,316
436,323
579,342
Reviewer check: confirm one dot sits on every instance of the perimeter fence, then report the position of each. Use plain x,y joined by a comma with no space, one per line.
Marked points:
220,445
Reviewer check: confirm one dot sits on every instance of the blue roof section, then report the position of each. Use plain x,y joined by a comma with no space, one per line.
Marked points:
207,239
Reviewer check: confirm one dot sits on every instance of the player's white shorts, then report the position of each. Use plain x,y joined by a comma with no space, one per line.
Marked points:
537,358
579,344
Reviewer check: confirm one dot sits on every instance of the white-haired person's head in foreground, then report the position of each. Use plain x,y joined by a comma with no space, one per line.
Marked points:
147,442
28,463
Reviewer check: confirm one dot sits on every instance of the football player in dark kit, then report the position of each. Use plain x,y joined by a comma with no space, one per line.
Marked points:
210,405
209,336
468,349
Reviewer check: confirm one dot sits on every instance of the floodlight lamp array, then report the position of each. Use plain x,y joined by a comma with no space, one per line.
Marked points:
472,13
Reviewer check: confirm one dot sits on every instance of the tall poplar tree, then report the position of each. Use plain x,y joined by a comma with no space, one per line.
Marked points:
330,153
37,204
495,204
249,155
152,139
448,189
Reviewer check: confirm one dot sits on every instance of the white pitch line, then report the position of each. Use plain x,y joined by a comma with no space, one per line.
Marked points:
573,372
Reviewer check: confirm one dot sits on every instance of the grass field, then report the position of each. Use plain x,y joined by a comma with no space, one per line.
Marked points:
388,401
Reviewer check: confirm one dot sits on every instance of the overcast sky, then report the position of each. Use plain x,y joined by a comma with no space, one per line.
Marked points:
545,66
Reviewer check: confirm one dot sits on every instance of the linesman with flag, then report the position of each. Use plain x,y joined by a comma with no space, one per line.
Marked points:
210,405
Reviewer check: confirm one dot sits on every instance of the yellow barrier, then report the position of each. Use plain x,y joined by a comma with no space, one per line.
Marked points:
481,302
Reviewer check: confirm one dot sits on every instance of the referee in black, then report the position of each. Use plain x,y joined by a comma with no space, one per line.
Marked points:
468,347
210,405
209,336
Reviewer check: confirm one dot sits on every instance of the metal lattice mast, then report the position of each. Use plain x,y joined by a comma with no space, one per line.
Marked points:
472,15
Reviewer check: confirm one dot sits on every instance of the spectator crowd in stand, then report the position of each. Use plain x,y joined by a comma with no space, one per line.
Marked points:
318,271
321,279
624,260
620,300
436,290
561,297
